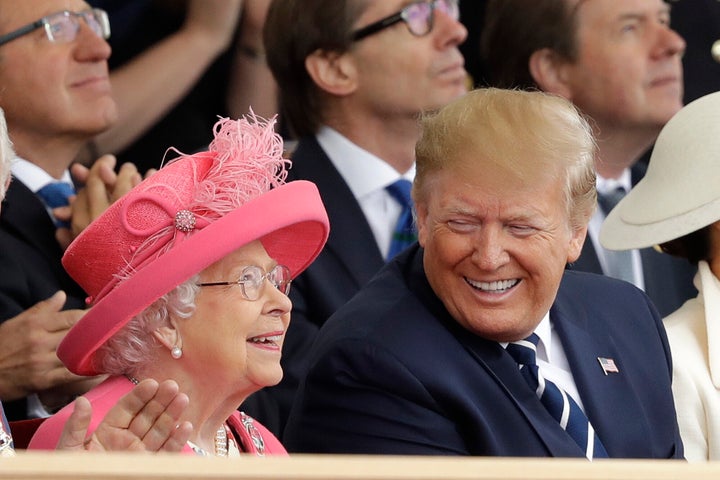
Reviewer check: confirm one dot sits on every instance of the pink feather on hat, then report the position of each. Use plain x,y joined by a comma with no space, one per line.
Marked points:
191,213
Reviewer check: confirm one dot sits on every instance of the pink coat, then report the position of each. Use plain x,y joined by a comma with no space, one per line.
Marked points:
254,438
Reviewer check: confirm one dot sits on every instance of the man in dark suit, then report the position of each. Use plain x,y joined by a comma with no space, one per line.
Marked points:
56,96
144,419
620,63
424,359
352,95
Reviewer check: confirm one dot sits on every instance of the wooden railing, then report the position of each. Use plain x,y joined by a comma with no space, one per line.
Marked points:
123,466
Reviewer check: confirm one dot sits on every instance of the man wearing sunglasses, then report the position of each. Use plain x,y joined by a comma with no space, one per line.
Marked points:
354,75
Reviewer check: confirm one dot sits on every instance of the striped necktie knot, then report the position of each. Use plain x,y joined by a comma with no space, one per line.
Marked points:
524,351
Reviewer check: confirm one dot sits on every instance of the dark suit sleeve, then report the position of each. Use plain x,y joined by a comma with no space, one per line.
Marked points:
678,452
358,398
26,278
631,409
679,449
30,266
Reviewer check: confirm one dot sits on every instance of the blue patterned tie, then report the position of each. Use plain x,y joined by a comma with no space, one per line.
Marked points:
560,405
57,194
404,234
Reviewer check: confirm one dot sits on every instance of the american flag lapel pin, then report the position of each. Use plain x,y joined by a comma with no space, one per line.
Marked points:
608,365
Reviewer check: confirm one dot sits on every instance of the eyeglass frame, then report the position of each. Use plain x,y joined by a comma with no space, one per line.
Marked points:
44,22
284,288
398,17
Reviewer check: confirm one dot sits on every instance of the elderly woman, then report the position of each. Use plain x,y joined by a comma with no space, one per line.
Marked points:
188,275
677,206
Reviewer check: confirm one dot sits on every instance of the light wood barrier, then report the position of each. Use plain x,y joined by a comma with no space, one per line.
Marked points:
123,466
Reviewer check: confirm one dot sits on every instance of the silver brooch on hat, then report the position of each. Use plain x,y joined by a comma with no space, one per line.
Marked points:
185,221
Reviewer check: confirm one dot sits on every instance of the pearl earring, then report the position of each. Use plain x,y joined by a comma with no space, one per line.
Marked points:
176,352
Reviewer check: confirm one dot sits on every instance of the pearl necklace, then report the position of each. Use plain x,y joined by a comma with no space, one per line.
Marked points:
222,443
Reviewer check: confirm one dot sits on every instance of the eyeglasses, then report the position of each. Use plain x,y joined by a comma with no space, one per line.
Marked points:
418,17
63,27
252,280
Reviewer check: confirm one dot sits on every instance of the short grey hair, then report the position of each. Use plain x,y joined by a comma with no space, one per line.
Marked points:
134,345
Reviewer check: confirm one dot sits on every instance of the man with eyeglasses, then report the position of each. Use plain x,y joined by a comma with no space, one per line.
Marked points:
56,95
353,76
144,419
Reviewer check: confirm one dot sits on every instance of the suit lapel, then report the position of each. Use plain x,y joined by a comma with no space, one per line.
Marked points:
608,400
504,371
496,364
24,214
351,240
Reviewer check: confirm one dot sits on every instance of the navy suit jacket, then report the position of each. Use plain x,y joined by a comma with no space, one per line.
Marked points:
30,263
349,260
392,373
668,279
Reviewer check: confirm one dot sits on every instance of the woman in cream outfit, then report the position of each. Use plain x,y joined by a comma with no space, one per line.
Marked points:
677,206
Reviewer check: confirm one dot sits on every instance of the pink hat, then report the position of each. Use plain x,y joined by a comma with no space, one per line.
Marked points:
190,214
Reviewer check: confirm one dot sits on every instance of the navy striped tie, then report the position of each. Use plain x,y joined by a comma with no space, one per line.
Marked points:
560,405
404,234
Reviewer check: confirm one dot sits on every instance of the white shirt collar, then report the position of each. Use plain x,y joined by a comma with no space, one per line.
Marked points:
364,172
544,332
605,185
33,176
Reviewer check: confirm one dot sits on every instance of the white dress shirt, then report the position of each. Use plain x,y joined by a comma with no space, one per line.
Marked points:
367,176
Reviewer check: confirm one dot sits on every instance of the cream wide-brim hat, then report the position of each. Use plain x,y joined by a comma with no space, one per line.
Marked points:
680,192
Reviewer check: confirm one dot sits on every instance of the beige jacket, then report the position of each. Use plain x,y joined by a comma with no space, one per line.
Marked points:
694,335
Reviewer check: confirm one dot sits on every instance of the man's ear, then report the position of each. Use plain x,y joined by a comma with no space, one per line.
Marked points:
576,243
421,214
332,72
549,71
